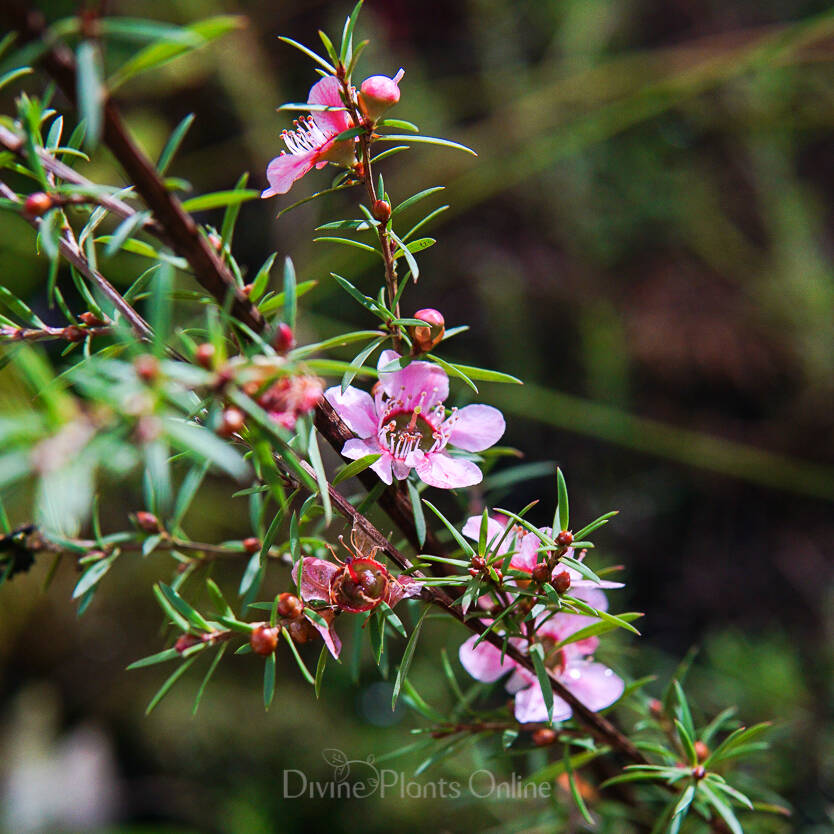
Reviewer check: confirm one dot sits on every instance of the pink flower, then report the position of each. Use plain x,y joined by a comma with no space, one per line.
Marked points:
594,684
355,586
312,142
378,93
525,546
405,422
290,397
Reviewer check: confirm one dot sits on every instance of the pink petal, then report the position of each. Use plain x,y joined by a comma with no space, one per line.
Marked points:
472,528
331,639
403,587
356,408
594,684
483,661
526,555
440,470
417,379
476,427
328,92
315,578
530,707
356,448
285,169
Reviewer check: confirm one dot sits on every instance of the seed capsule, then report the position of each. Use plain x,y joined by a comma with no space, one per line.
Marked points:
543,736
204,355
251,545
264,639
290,606
381,210
38,204
541,572
561,582
284,339
147,521
565,538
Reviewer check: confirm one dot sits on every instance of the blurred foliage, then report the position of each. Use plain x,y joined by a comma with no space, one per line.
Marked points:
645,239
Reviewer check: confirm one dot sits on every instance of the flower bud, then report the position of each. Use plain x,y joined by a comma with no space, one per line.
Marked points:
251,545
359,586
378,93
146,367
428,335
147,521
91,320
264,639
701,750
38,204
284,339
656,708
73,333
186,641
216,241
204,355
478,563
698,772
543,736
541,572
561,582
232,422
565,538
301,631
381,210
290,606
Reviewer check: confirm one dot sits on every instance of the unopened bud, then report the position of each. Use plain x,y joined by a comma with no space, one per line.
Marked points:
146,367
186,641
290,606
284,339
216,241
699,772
301,631
264,639
543,736
381,210
478,562
656,708
701,750
232,422
378,93
204,355
38,204
246,289
147,521
473,572
565,538
561,582
251,545
428,335
91,320
73,333
541,572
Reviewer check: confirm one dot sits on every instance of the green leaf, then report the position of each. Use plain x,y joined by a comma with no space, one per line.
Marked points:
93,575
90,90
415,198
165,688
211,669
428,140
290,299
358,361
192,615
724,811
399,124
408,656
320,666
346,46
417,513
13,75
146,30
261,279
482,373
309,53
220,198
453,370
227,227
562,507
156,54
336,341
462,543
304,670
687,742
537,656
269,680
597,523
205,445
321,475
16,306
355,467
159,657
595,629
346,241
574,788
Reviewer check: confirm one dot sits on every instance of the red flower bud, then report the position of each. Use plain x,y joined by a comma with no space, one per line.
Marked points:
701,750
698,772
381,210
561,582
301,631
91,320
656,708
146,367
378,93
232,422
290,606
478,563
186,641
565,538
284,339
73,333
264,639
251,545
541,572
147,521
38,204
543,737
216,241
428,335
204,355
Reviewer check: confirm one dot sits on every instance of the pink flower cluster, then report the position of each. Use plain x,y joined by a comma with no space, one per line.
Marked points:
594,684
405,423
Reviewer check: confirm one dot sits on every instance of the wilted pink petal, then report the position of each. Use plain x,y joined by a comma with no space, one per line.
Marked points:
356,408
440,470
476,427
403,587
331,639
315,578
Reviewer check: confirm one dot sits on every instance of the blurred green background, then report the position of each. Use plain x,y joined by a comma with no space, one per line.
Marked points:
645,240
